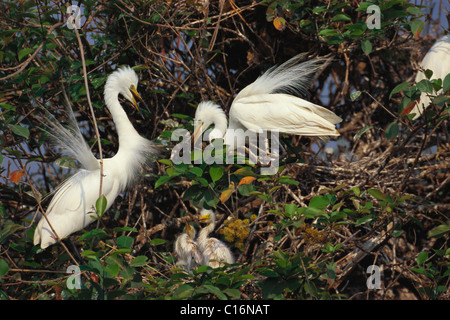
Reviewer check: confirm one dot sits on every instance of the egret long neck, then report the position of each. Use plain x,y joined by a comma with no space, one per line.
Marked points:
205,232
125,130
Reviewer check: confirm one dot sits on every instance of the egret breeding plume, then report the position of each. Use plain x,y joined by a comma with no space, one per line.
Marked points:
187,249
269,104
214,251
437,60
73,204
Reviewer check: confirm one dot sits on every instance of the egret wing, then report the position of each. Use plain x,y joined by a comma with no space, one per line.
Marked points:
73,205
216,252
285,113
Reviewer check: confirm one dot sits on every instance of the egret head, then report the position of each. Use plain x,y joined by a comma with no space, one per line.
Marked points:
123,81
207,114
189,230
207,216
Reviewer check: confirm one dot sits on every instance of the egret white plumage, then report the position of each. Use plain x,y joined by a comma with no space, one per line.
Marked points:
72,207
187,249
215,252
267,104
437,60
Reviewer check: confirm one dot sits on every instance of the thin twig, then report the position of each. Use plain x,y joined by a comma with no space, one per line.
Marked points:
97,134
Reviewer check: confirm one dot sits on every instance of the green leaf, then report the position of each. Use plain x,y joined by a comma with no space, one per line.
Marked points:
319,202
167,162
422,257
245,171
428,74
20,131
440,100
97,82
181,116
341,17
399,87
319,9
233,293
355,95
157,242
288,181
338,215
289,209
446,84
92,233
328,32
196,171
3,267
126,229
417,26
100,205
377,194
161,180
392,130
361,132
7,106
414,11
139,261
216,173
425,86
364,220
216,291
24,52
366,46
439,231
193,193
90,253
112,269
124,242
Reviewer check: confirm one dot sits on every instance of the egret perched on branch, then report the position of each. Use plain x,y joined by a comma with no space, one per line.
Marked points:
214,251
268,104
73,205
437,60
187,250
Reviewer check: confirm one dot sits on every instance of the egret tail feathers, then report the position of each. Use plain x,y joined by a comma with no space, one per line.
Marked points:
290,77
69,139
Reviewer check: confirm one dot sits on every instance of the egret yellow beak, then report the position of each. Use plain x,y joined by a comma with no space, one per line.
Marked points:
198,132
135,95
204,218
188,227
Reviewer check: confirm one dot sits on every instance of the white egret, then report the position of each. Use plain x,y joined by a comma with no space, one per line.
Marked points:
344,152
266,104
73,205
437,60
214,251
187,250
